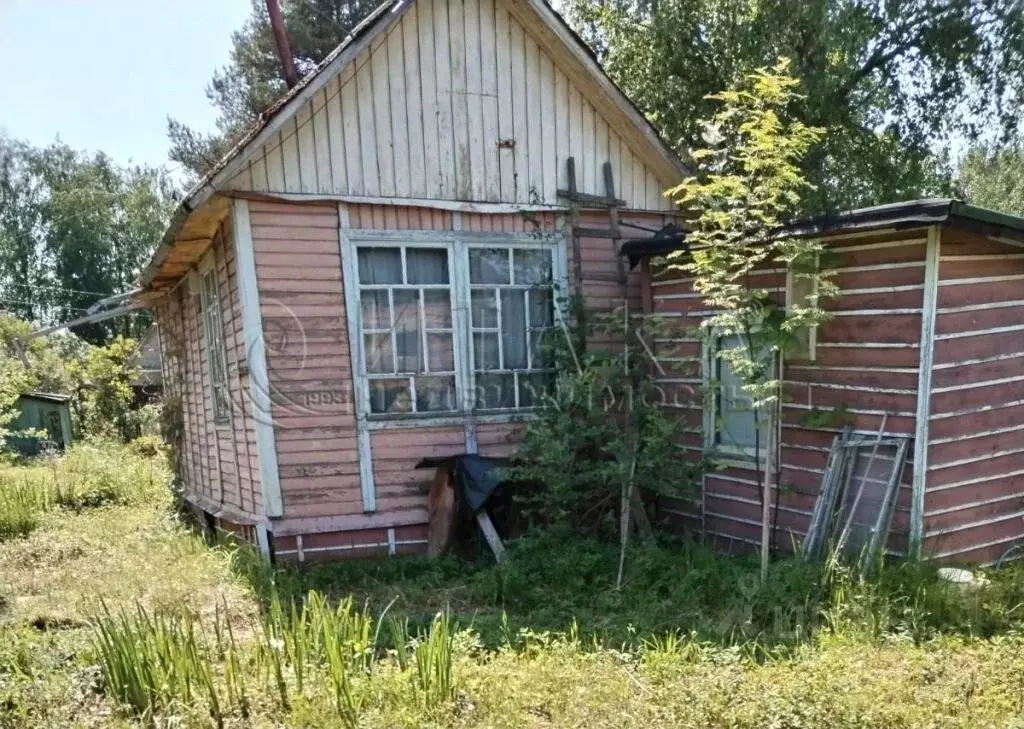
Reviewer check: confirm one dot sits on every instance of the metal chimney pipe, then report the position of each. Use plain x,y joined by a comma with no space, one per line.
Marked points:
284,48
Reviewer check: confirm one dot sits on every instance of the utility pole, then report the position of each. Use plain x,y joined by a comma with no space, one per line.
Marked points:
284,48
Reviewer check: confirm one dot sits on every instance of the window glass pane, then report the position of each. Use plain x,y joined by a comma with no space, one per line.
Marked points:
407,330
435,394
437,309
484,308
533,387
376,310
488,266
495,391
540,357
426,265
378,353
390,396
485,351
542,307
739,425
380,265
532,266
440,353
513,328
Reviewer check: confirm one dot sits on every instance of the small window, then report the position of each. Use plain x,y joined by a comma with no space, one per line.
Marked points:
407,329
802,291
216,353
511,292
738,427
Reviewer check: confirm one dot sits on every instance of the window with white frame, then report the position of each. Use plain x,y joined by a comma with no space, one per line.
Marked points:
216,353
802,290
738,427
407,328
454,325
511,306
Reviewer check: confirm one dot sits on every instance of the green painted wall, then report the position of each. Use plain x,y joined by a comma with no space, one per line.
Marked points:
46,415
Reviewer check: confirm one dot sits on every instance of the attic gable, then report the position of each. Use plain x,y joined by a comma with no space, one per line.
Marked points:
467,100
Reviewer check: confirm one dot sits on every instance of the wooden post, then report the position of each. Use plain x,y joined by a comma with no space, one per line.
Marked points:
769,488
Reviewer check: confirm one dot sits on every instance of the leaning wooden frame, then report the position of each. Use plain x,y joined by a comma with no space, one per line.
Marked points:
841,510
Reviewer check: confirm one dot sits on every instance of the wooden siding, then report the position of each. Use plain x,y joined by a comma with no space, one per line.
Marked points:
219,465
299,272
866,362
457,101
974,500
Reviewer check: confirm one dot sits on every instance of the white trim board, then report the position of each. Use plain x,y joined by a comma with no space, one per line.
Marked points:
924,390
355,343
259,382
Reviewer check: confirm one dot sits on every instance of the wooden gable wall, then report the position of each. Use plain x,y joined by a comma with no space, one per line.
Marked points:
456,101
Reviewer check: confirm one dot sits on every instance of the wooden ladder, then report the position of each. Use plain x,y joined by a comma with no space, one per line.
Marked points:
612,232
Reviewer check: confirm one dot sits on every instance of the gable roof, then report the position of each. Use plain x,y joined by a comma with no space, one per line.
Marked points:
552,26
901,215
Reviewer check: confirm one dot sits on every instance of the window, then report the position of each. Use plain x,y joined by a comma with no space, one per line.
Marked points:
737,427
453,325
511,306
407,329
803,291
216,354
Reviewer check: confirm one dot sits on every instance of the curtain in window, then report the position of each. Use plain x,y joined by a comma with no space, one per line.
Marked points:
405,302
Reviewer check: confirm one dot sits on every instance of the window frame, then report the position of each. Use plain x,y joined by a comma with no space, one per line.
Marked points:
516,373
212,318
730,454
364,375
809,351
458,244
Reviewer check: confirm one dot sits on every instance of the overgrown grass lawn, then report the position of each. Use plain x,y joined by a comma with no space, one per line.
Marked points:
113,613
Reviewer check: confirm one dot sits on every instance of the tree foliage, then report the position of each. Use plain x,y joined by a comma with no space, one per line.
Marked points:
252,79
74,228
888,81
993,177
748,183
98,378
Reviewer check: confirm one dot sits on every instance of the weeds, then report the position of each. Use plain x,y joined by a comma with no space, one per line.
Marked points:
434,662
88,476
153,662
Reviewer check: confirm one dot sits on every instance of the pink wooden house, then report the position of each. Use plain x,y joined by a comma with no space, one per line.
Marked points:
362,280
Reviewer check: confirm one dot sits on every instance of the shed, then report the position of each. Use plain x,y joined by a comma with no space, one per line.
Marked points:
928,333
43,411
361,282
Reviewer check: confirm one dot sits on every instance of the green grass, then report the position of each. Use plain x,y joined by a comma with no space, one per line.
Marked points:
114,614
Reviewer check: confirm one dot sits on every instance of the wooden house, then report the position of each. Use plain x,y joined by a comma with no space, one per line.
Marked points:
362,280
928,333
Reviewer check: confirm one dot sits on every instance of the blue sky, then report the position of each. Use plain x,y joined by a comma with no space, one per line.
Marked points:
104,74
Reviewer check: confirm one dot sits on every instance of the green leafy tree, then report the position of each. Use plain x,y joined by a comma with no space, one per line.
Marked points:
27,365
888,81
105,379
252,79
75,228
993,177
748,182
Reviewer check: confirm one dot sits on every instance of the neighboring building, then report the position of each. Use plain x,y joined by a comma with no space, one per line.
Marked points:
46,412
362,281
928,333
